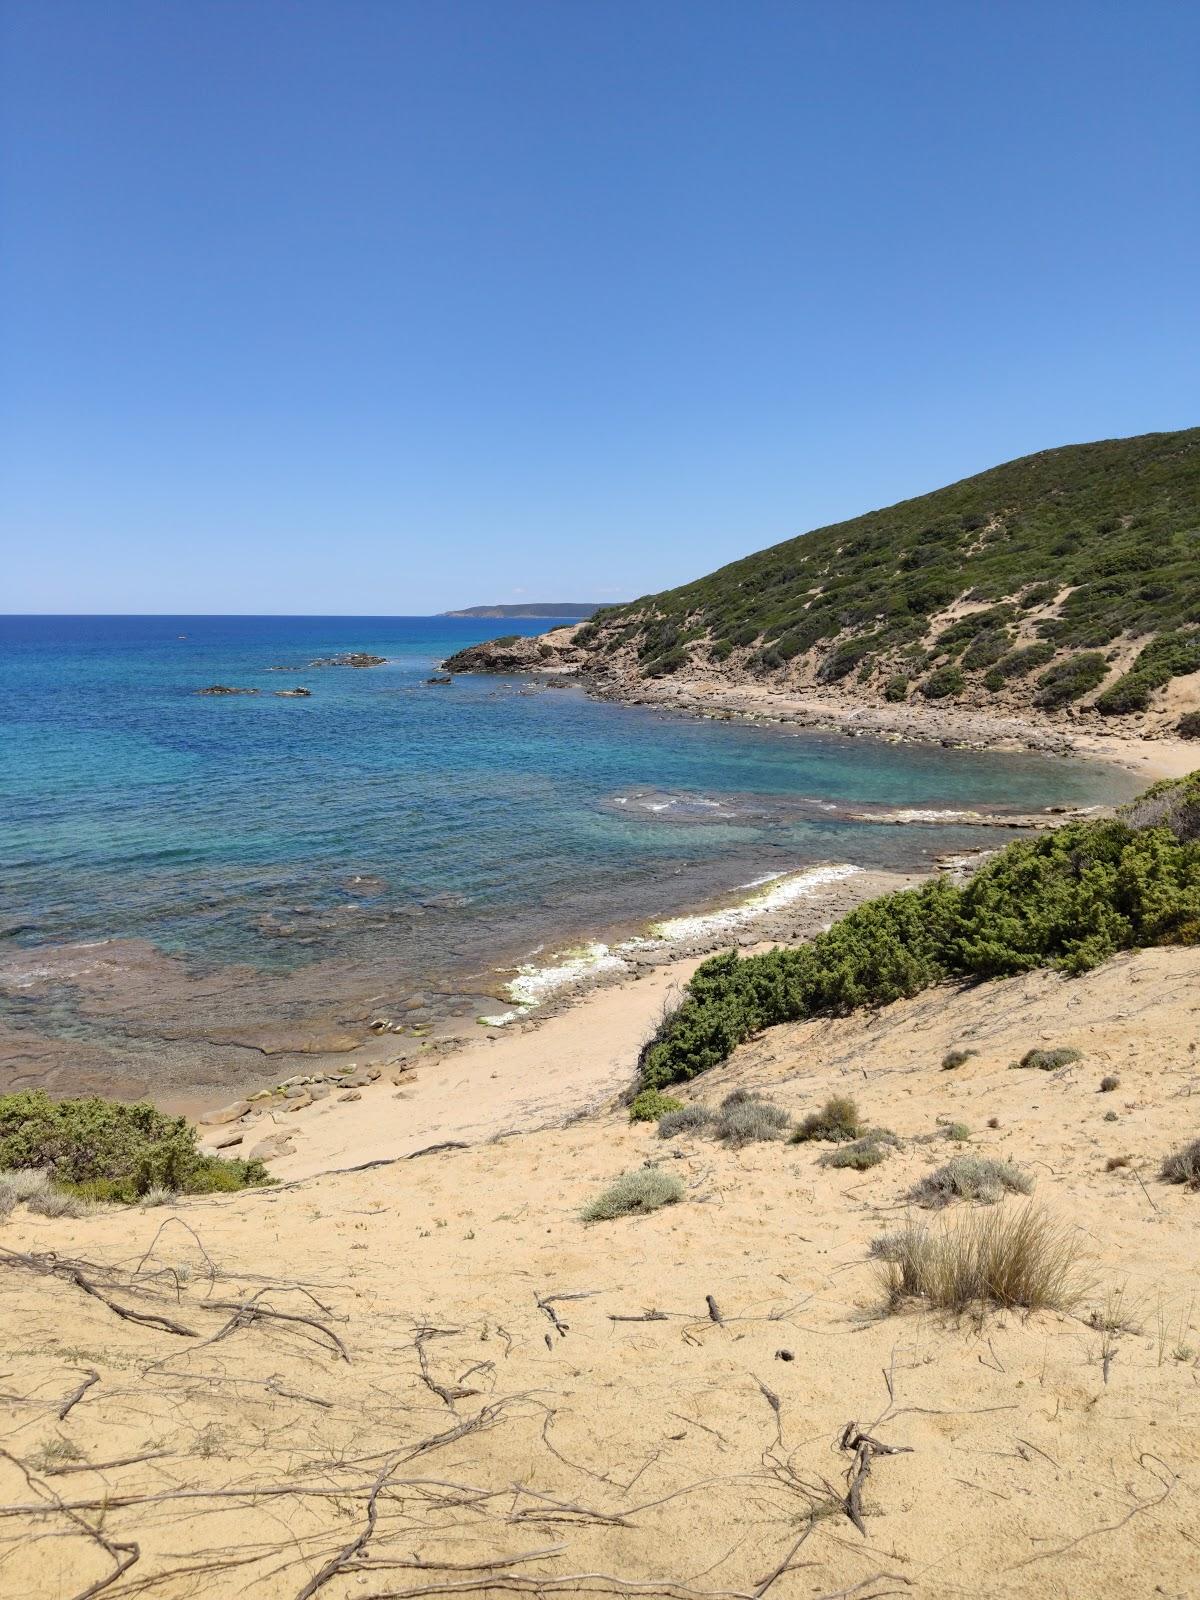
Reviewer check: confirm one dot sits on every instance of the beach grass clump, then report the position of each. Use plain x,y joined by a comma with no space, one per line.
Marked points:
870,1151
959,1132
746,1118
106,1150
1050,1060
1184,1166
838,1120
971,1178
1068,899
635,1193
649,1105
955,1058
1003,1258
688,1119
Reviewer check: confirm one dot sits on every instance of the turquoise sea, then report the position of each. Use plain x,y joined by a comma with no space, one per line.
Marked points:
387,835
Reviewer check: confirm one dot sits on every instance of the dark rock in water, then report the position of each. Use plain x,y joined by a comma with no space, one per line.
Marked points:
292,694
224,688
446,679
353,658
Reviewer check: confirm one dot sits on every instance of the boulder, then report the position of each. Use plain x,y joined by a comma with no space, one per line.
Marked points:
231,1113
275,1144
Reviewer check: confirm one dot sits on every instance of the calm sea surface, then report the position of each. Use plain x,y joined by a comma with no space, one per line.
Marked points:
423,834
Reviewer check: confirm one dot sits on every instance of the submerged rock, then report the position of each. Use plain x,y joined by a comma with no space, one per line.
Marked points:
292,694
353,658
224,688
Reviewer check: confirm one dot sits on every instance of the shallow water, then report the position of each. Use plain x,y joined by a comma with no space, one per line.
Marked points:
407,833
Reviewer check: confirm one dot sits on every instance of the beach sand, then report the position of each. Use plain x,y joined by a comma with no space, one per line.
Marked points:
528,1399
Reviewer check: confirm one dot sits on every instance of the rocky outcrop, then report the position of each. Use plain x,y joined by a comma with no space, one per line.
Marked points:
293,694
224,688
553,652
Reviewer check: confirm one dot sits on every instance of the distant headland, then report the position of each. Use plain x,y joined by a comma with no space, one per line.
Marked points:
564,608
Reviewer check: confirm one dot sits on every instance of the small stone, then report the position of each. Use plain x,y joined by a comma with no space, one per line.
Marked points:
351,1094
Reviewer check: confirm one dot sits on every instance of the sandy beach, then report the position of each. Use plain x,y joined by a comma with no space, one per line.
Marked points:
479,1392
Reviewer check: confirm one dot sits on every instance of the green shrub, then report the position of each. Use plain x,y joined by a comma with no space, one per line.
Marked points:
971,1178
896,688
986,649
837,1121
1069,899
865,1153
955,1058
103,1149
942,683
634,1194
1068,680
1049,1060
1188,726
1019,664
958,1131
651,1104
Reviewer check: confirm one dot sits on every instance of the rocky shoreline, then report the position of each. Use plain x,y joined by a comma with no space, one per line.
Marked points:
833,709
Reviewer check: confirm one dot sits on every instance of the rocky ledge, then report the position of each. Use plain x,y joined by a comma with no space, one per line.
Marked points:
353,658
544,652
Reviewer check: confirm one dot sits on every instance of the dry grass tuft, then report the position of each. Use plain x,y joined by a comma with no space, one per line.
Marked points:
1184,1166
634,1193
955,1058
1004,1258
838,1120
1109,1083
971,1178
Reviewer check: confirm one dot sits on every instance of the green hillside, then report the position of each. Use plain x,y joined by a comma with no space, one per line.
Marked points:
1073,568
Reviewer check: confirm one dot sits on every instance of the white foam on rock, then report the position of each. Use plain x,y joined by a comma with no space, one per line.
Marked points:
534,985
776,896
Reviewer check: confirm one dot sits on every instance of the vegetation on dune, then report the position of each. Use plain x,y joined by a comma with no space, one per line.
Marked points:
1184,1166
650,1105
1068,899
105,1150
836,1121
1055,558
971,1178
1003,1258
746,1118
635,1193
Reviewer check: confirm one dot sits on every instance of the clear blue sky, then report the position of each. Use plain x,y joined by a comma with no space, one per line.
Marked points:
378,306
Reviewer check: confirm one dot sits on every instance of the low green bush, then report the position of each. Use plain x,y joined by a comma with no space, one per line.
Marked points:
634,1194
106,1150
1049,1060
836,1121
1188,726
896,688
942,683
971,1178
865,1153
688,1119
1068,899
1068,680
651,1104
746,1118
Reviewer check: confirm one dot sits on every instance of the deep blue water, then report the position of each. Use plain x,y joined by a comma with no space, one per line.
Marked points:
493,815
